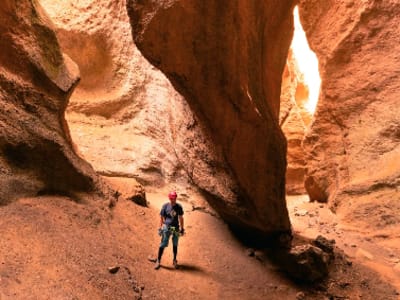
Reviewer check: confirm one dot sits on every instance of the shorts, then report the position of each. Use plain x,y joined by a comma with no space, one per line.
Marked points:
167,232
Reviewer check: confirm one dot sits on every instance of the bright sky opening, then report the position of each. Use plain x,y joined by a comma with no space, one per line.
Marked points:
307,62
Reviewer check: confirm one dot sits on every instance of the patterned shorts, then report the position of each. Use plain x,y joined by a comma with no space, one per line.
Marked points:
167,232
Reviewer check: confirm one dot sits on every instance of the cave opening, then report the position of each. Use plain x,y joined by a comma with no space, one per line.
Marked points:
299,97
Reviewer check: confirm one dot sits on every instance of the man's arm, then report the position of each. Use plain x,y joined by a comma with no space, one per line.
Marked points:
161,221
181,224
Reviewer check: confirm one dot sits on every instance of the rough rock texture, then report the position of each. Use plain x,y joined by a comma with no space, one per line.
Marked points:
128,189
293,118
36,80
353,145
126,118
306,263
231,83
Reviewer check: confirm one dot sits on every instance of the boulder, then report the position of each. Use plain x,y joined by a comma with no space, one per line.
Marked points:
128,189
306,263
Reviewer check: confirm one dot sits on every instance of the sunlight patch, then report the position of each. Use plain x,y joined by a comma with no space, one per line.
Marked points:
307,62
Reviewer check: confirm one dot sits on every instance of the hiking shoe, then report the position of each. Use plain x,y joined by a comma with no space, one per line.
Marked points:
157,266
175,263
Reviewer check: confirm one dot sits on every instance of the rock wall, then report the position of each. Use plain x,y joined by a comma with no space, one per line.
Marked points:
353,145
294,118
226,58
36,80
126,118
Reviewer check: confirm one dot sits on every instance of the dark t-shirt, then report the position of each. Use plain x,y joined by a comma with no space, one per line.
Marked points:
171,213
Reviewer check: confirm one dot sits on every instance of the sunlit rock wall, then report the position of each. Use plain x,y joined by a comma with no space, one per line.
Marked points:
36,80
126,118
227,59
353,146
294,118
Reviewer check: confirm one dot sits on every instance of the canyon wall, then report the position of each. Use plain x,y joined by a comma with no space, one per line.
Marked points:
353,145
36,80
294,119
226,58
125,116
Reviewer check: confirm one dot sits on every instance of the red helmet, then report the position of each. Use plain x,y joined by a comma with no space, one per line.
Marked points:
172,195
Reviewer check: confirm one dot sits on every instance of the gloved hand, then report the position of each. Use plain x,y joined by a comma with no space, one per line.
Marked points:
182,231
159,231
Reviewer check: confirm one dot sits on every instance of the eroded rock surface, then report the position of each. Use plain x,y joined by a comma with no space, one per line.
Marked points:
231,83
294,118
126,118
353,146
36,80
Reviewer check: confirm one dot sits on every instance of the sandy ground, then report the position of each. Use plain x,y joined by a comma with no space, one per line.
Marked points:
55,248
377,249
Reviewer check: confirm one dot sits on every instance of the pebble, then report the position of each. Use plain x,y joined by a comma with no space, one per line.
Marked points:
250,252
113,269
301,213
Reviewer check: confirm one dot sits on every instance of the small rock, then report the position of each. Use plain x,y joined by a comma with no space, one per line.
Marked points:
344,285
300,296
325,244
301,212
259,255
250,252
198,208
348,262
394,260
139,198
113,269
151,258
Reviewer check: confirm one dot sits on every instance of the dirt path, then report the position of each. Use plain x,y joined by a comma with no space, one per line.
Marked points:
55,248
213,265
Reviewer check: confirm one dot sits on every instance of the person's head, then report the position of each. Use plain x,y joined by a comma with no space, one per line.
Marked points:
172,196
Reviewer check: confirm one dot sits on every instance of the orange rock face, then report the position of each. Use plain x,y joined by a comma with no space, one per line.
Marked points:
293,118
231,83
125,117
36,80
353,145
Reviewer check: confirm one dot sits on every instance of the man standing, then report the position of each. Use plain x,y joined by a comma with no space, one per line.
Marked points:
171,223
